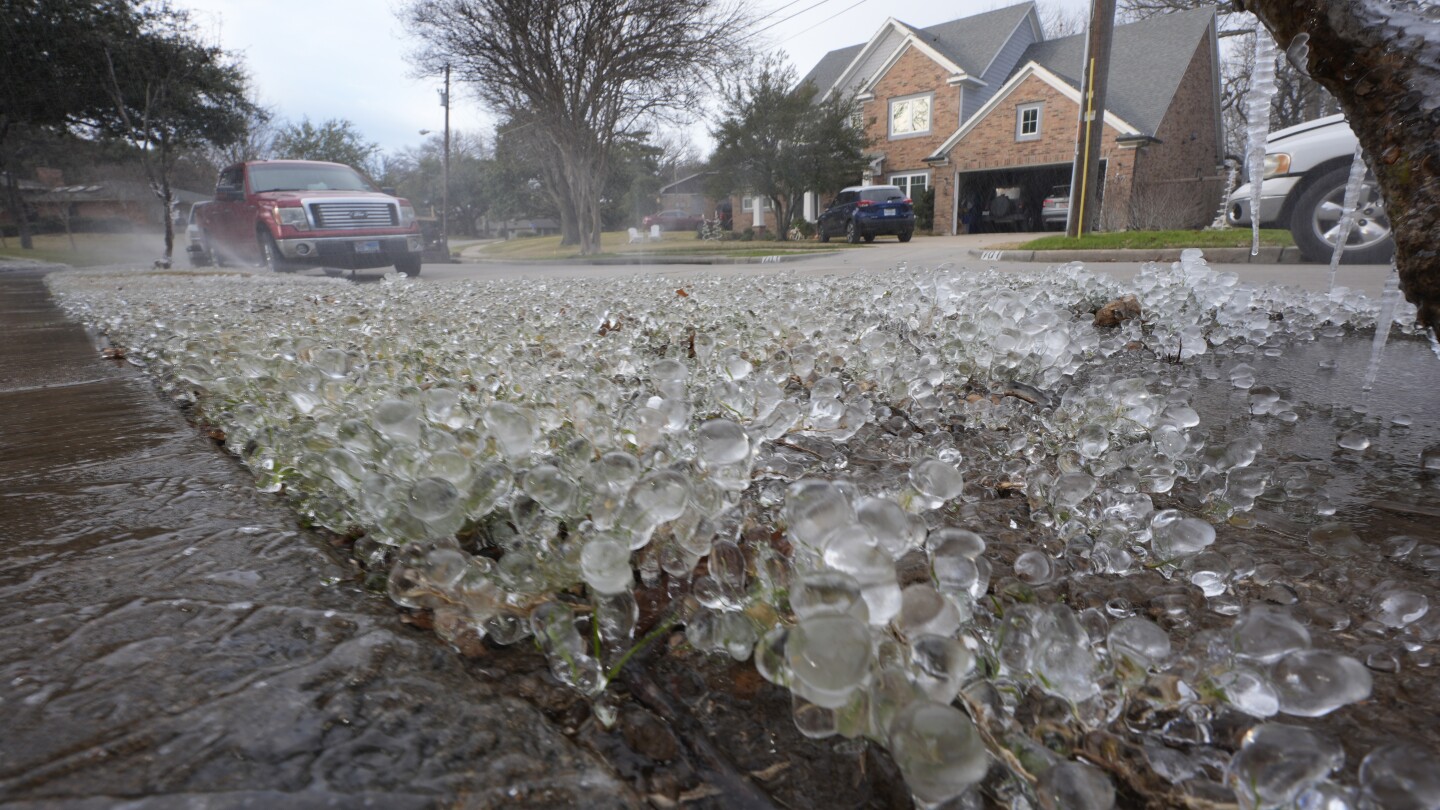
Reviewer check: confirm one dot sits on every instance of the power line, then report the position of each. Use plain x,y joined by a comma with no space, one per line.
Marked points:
822,22
786,19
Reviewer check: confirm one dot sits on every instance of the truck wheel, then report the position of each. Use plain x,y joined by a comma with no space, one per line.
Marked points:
270,252
199,258
1315,221
208,250
410,266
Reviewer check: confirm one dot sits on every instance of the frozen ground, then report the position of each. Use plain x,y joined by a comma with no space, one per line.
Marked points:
1027,555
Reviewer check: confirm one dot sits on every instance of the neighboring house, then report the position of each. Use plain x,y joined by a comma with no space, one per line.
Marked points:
688,194
111,204
28,191
984,105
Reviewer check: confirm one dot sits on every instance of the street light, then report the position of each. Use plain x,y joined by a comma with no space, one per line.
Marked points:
445,181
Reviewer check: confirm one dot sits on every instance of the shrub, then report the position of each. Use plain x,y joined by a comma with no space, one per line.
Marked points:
925,210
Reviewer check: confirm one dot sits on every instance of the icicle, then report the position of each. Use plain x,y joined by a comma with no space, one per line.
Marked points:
1353,187
1389,298
1220,222
1257,106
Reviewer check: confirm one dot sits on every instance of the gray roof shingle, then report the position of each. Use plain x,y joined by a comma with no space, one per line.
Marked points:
830,66
970,42
1147,61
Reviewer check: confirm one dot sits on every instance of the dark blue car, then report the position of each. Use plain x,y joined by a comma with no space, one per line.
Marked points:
864,212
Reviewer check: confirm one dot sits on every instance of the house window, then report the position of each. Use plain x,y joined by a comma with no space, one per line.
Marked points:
1027,122
748,204
910,116
911,184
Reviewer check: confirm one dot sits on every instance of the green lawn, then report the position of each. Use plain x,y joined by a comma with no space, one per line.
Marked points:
93,249
674,243
1230,237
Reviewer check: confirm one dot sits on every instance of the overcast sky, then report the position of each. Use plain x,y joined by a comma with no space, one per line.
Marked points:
347,58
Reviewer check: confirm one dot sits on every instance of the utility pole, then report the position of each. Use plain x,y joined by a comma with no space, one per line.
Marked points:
1085,177
445,179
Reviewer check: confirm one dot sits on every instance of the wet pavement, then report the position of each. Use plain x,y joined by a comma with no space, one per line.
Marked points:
172,639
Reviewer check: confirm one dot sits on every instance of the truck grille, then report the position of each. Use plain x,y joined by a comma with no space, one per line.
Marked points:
343,216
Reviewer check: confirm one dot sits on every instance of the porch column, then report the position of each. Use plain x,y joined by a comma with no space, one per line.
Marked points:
955,203
757,214
809,206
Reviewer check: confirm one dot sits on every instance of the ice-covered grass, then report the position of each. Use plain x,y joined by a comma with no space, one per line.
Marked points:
944,508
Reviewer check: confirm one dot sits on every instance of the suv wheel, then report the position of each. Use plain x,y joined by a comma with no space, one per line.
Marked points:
1315,221
905,236
852,233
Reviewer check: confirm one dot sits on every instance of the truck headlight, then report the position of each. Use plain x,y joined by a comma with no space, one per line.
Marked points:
293,217
1276,163
407,215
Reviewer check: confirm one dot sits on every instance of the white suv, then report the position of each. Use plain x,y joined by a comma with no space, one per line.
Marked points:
1303,189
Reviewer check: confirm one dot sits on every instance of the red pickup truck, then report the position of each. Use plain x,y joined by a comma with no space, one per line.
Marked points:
289,213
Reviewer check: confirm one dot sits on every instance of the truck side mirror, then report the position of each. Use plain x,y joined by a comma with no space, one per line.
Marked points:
388,190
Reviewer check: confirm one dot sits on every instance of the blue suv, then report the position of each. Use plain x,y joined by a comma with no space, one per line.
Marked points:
864,212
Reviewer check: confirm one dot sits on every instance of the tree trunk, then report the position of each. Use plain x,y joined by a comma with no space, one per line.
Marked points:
167,202
16,205
1378,59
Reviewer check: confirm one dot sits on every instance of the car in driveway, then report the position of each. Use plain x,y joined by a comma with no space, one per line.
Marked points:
864,212
1055,209
674,220
1303,190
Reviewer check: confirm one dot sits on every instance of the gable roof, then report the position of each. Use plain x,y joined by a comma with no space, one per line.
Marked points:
969,44
1148,59
973,42
687,185
827,71
1026,71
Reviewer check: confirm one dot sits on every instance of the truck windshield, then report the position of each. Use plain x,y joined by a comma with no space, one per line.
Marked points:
306,178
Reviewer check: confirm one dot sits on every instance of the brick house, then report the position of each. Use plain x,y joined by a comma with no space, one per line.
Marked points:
986,106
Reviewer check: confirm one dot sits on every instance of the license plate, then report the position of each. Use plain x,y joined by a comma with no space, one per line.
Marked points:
889,212
372,246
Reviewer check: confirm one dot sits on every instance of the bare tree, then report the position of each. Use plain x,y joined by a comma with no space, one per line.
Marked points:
171,93
679,155
582,73
1059,21
257,142
1378,59
1297,98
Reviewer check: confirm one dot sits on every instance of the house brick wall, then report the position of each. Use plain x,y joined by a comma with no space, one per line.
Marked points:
1178,182
991,144
741,219
914,72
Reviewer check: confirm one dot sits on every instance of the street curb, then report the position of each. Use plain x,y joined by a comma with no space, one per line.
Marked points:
644,260
1267,255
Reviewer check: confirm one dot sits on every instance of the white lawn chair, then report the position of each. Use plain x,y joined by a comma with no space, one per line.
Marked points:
635,236
654,233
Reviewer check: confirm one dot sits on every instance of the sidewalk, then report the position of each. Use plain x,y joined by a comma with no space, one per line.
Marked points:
172,639
977,245
1267,255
